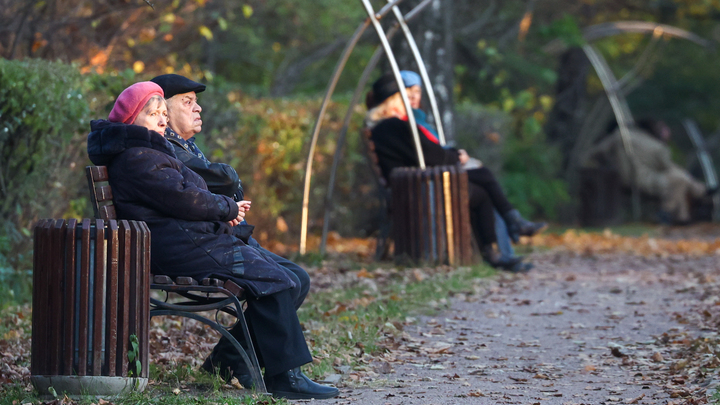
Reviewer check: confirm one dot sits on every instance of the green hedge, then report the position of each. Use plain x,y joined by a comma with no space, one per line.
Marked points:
43,115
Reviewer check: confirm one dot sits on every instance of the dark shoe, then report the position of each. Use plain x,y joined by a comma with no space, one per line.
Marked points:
521,267
497,260
239,371
293,384
711,191
518,226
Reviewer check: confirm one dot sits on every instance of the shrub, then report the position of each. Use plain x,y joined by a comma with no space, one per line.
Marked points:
530,170
43,118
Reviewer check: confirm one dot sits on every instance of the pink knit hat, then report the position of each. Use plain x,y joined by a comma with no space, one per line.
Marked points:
131,101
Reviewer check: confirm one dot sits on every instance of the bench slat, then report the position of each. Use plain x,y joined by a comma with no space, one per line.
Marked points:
107,212
97,302
111,325
103,193
165,280
124,292
84,278
69,298
185,281
99,173
235,289
212,282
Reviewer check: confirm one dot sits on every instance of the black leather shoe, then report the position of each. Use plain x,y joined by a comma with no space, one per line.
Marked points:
240,372
293,384
518,226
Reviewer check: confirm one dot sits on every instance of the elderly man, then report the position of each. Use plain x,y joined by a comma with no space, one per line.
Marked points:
184,122
651,169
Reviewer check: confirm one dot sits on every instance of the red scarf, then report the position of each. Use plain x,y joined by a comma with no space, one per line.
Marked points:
425,132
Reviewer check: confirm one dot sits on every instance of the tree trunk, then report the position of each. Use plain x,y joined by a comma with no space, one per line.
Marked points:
566,118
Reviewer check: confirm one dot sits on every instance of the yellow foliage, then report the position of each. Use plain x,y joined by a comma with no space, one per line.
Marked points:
607,242
205,31
247,10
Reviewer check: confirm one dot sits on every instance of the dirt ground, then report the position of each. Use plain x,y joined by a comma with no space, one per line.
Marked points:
578,329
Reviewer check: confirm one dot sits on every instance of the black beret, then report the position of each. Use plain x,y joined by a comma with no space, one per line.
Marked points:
173,84
384,87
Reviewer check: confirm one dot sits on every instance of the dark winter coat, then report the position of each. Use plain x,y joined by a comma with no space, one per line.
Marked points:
395,147
220,178
190,234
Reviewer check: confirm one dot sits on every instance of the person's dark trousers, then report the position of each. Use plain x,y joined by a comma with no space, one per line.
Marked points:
484,178
275,332
482,215
296,273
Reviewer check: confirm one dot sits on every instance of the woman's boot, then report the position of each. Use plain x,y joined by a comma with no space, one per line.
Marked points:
519,226
497,260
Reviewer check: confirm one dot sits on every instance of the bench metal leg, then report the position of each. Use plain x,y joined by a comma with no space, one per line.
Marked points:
249,356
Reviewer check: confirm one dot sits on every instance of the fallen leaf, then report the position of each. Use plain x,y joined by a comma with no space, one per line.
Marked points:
635,400
657,357
616,352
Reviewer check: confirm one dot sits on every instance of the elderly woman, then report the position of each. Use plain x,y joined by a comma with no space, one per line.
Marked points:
192,235
394,146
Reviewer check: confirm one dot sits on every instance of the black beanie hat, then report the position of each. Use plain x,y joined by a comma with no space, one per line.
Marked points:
384,87
173,84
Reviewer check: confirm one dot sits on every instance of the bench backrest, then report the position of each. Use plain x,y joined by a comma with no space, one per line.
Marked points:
100,192
366,136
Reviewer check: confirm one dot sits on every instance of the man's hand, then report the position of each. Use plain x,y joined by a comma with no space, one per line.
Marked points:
463,156
243,207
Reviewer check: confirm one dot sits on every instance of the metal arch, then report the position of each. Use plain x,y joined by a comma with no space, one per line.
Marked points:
373,18
364,78
316,130
423,73
604,30
625,84
705,161
620,109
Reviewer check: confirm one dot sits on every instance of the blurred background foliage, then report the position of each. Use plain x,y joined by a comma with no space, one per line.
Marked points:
267,63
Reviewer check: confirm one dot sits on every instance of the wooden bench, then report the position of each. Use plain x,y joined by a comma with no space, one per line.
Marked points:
195,297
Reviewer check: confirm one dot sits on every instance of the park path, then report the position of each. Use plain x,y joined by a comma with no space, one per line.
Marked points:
600,329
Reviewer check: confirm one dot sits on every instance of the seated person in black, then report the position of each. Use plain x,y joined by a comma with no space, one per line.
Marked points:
192,235
395,147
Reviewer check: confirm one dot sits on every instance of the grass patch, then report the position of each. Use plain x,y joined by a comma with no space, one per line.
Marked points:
17,394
